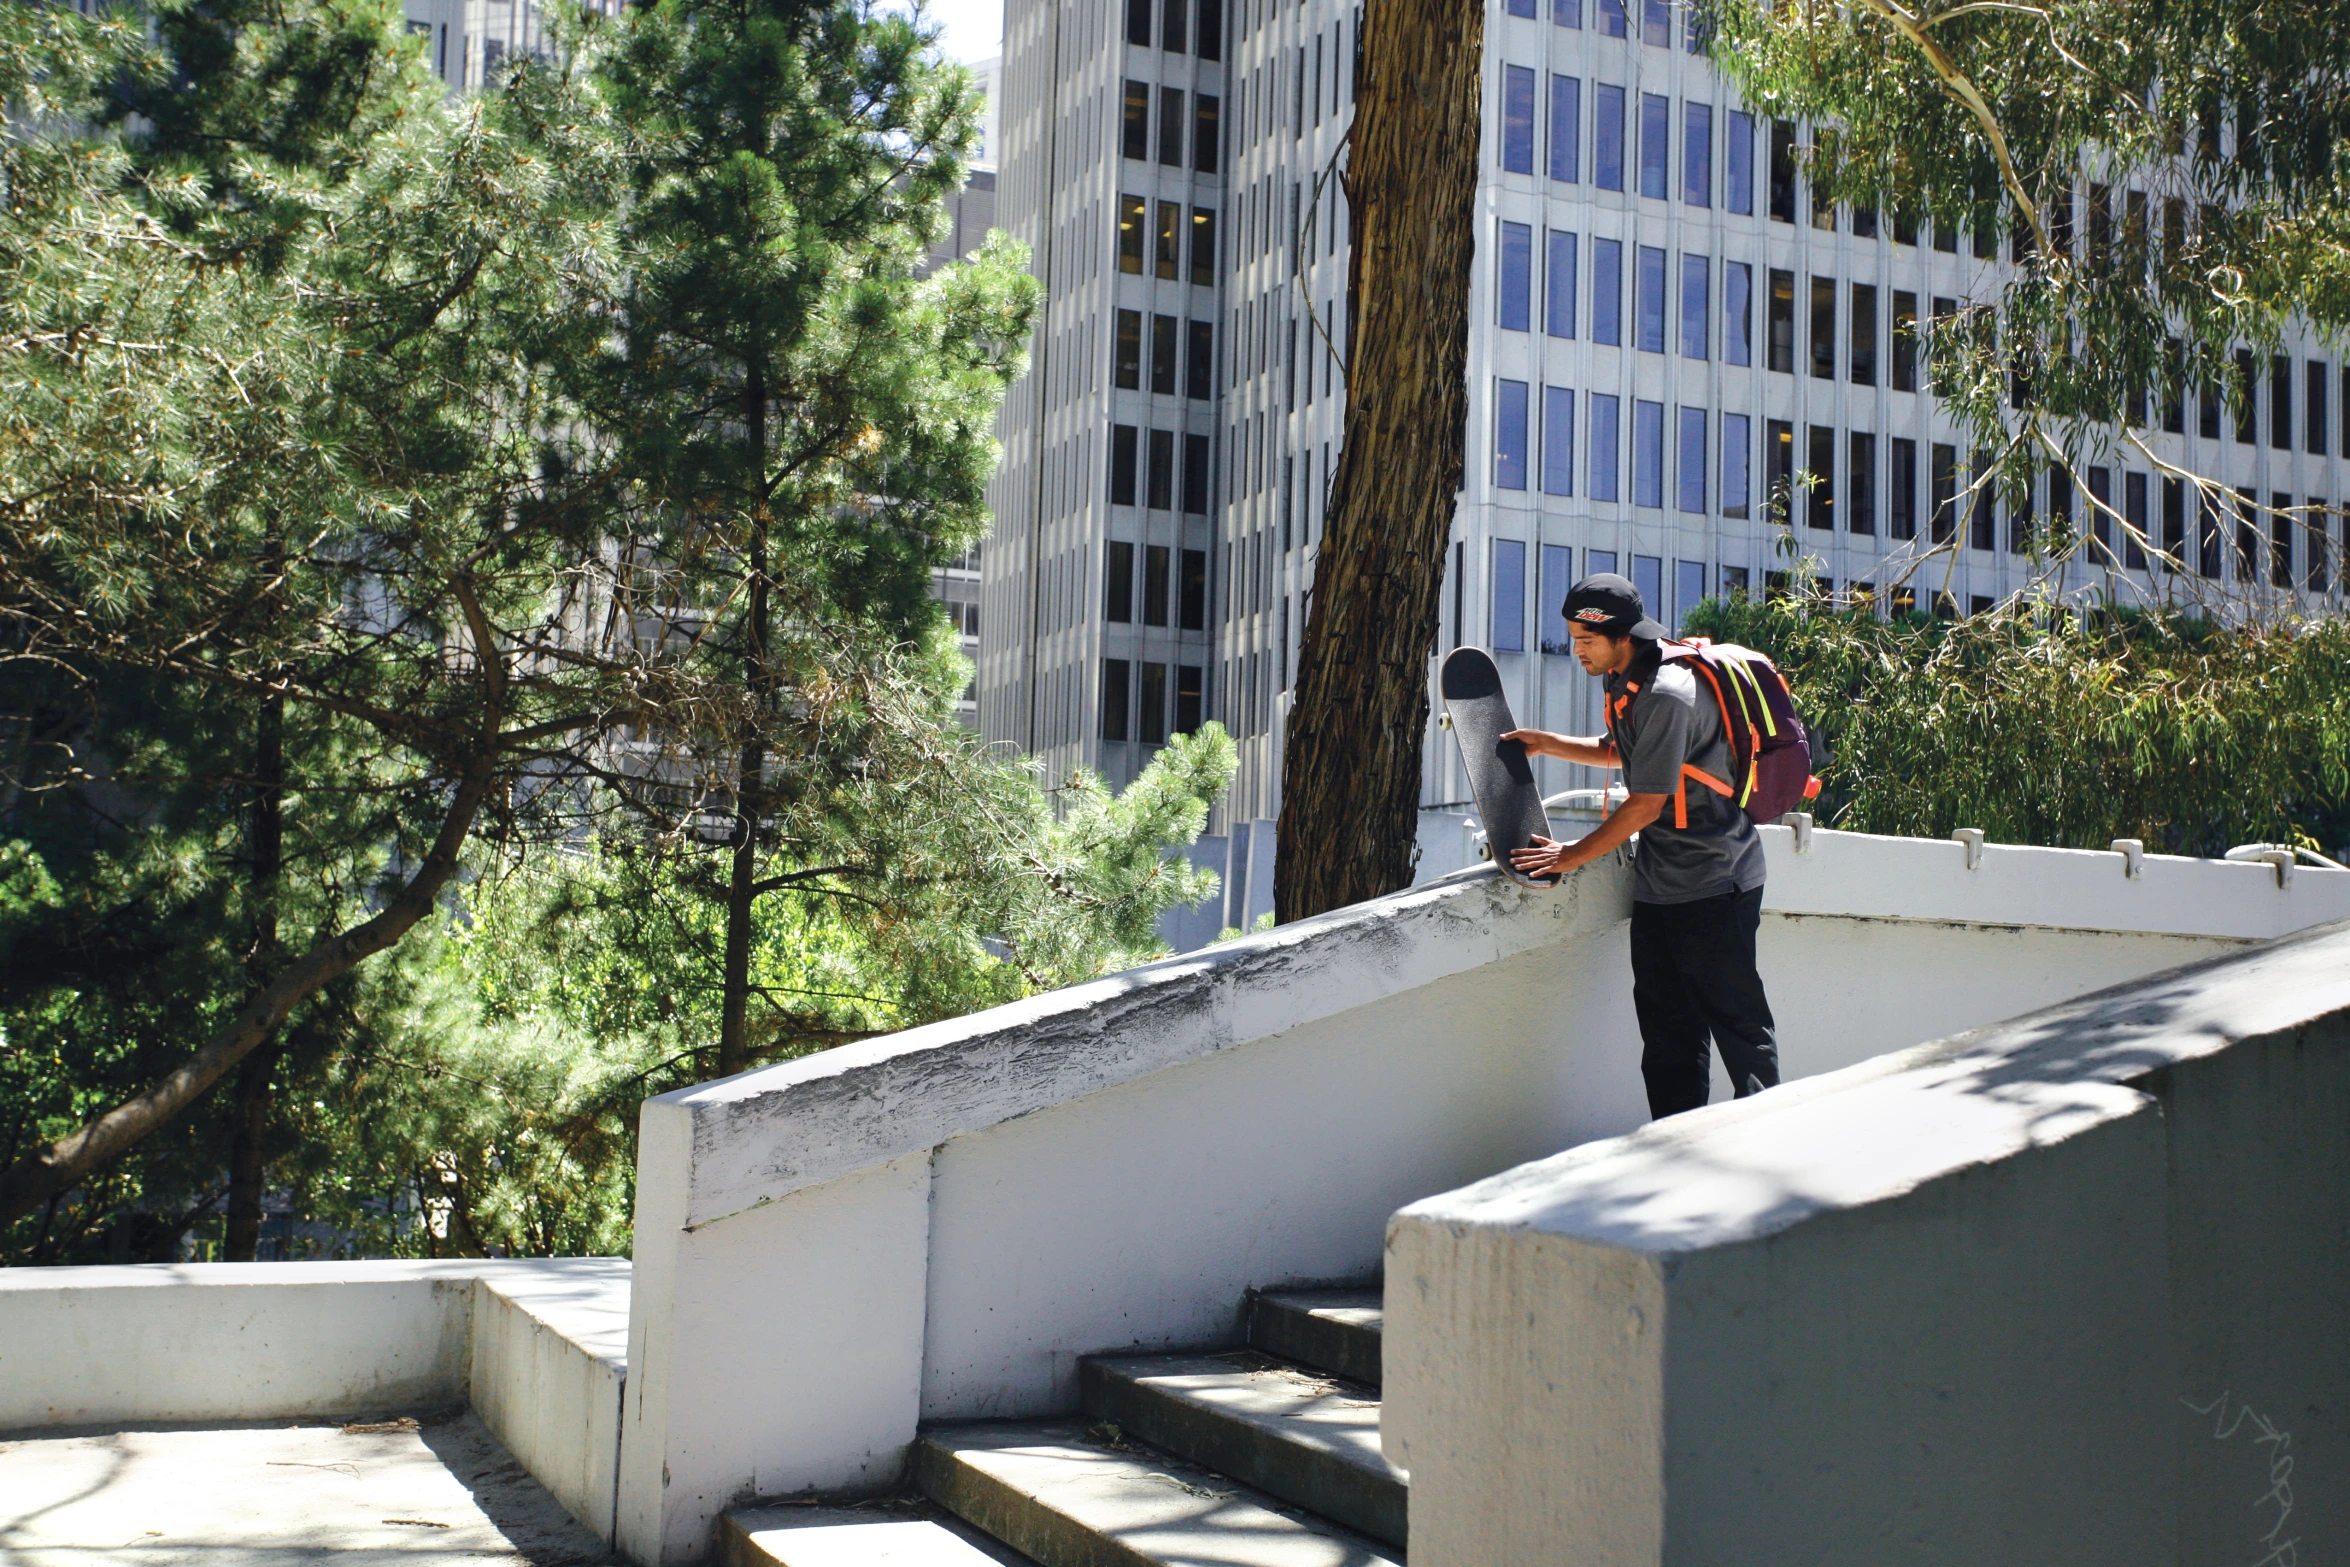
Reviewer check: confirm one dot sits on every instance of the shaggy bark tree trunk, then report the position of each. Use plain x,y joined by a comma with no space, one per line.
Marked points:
1351,785
248,1163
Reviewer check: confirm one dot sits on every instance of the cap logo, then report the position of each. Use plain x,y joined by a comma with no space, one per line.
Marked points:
1592,612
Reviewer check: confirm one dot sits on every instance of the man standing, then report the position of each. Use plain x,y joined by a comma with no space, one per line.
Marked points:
1698,878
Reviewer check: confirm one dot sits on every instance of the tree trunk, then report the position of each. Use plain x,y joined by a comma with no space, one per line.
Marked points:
749,793
248,1161
1351,770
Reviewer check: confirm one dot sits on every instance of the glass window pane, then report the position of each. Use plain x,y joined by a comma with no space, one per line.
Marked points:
1648,575
1607,437
1558,289
1567,13
1607,292
1509,596
1607,138
1611,18
1509,436
1558,441
1688,588
1649,289
1656,23
1648,453
1566,128
1738,156
1737,313
1691,477
1696,306
1697,154
1557,576
1656,140
1515,293
1517,119
1737,436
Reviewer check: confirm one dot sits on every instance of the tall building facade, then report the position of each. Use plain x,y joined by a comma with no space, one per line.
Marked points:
1668,328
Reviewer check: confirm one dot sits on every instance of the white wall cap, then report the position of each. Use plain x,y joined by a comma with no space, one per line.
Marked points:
545,1274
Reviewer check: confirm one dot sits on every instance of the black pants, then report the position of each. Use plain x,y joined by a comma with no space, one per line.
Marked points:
1693,975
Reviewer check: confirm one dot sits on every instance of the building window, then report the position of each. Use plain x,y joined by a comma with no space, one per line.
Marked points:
1864,334
1943,503
1611,18
1155,584
1656,23
2248,389
1557,576
1737,313
1189,703
1823,208
1206,113
1823,329
1983,525
1566,128
1607,138
1782,322
1160,480
1691,476
2174,523
1696,306
2280,549
1607,292
1164,330
1203,247
1688,588
1126,366
1905,341
1607,438
1168,240
1508,610
1860,507
1524,8
1648,575
1558,441
1819,509
1514,290
1656,137
1566,13
1192,605
1779,471
1201,361
1697,154
1137,142
1558,288
1172,36
1130,234
1901,511
1648,453
1171,126
1738,158
2313,415
2101,493
1649,299
1737,433
1509,435
2280,405
1782,172
1195,475
1211,30
1597,563
1115,698
1118,583
1122,439
1517,119
1138,23
2134,513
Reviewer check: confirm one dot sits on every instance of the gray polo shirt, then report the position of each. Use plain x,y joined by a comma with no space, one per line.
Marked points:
1670,719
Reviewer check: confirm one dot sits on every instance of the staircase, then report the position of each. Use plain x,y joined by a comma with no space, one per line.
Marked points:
1266,1456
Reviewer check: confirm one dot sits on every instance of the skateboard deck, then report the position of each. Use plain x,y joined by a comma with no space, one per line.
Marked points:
1501,777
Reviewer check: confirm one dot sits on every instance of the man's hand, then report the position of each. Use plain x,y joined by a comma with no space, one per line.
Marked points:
1595,752
1549,857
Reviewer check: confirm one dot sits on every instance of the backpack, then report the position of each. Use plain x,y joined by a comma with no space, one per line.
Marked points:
1770,750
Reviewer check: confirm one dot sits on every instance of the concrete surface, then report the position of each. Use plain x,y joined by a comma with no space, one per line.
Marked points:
1331,1330
1024,1187
550,1363
1060,1496
2064,1289
393,1493
886,1533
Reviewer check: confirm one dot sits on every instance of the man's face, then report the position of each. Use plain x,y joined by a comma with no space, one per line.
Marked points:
1598,653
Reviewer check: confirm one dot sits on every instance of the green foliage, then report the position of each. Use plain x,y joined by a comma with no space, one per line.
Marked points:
2045,724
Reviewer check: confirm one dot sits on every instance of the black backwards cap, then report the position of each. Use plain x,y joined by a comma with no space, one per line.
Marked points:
1608,603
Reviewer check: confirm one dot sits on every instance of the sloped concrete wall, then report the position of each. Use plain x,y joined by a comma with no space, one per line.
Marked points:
1111,1165
2063,1289
550,1362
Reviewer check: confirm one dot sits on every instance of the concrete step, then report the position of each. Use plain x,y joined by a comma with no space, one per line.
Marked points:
1331,1330
1309,1439
1069,1496
898,1533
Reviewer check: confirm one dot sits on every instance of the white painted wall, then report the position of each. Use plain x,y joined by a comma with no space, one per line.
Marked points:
1111,1165
1957,1304
550,1363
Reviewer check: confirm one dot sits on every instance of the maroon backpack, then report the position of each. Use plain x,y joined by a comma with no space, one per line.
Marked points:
1770,750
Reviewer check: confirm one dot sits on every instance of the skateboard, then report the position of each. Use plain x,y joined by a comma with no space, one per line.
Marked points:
1500,775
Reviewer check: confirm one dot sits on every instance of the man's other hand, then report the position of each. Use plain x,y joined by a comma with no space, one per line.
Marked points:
1548,857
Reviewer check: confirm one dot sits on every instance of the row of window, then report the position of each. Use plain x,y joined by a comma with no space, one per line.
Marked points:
1161,243
1197,340
1174,580
1610,106
1611,21
1148,469
1175,129
1506,621
1515,456
2316,378
1138,708
1174,30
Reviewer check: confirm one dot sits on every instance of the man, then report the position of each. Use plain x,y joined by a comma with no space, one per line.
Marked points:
1696,889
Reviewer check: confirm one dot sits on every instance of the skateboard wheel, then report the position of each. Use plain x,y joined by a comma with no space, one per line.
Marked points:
1485,851
1444,720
